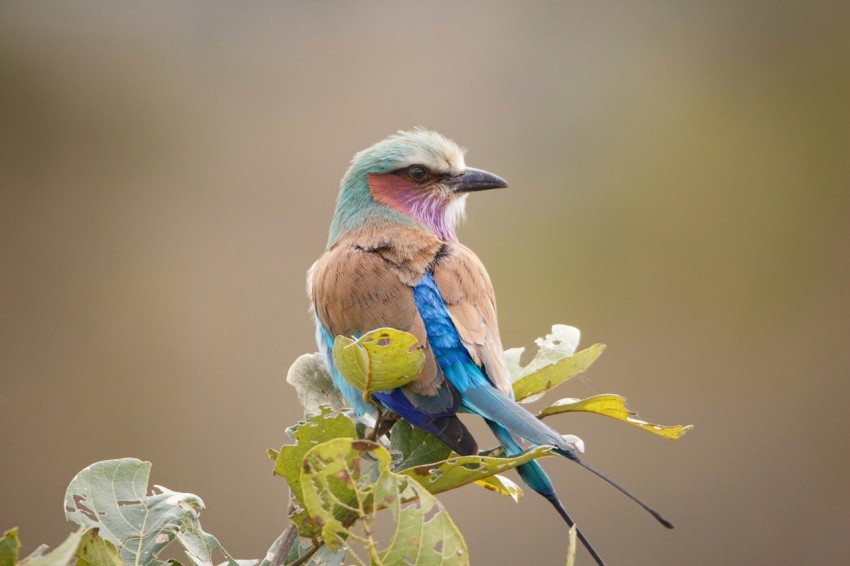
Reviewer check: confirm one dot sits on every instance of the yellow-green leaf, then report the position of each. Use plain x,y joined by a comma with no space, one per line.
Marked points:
462,470
529,386
307,434
612,406
96,551
10,545
379,360
501,485
571,548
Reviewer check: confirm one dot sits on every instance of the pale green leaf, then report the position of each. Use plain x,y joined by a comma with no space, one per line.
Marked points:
334,486
314,385
10,546
40,550
530,385
560,343
461,470
379,360
415,446
61,555
112,496
95,550
501,485
198,544
613,406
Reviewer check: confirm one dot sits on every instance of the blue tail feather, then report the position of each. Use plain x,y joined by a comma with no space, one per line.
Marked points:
537,479
494,405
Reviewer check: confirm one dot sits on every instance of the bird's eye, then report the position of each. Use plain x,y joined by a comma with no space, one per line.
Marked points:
417,173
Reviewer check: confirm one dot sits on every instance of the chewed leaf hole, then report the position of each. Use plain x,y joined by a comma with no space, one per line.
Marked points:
84,509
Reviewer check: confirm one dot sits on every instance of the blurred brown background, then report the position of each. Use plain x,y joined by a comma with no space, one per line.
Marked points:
680,191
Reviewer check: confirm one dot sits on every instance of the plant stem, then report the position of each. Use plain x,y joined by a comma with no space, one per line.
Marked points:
303,559
287,539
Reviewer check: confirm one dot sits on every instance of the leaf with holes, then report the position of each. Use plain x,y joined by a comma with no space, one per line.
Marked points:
554,363
379,360
613,406
307,434
461,470
412,447
335,486
112,497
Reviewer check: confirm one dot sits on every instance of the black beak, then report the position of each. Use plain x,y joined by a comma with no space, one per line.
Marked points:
474,180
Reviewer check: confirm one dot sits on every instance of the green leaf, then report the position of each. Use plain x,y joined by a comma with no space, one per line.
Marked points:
379,360
10,546
416,446
333,481
112,496
461,470
94,550
613,406
61,555
550,367
501,485
314,385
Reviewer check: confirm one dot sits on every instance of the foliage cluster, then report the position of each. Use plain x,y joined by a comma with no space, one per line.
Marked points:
345,480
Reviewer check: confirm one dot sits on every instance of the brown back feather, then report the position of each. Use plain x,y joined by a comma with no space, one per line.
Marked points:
365,282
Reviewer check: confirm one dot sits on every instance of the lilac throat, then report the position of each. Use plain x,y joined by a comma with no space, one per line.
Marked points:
424,204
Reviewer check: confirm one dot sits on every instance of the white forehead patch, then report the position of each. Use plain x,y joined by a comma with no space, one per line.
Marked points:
434,151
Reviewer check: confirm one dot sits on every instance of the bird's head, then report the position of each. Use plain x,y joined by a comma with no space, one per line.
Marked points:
419,175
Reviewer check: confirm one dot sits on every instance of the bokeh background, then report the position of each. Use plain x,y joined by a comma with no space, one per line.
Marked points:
679,190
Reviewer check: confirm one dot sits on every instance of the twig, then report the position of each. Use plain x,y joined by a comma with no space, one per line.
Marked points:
373,436
313,550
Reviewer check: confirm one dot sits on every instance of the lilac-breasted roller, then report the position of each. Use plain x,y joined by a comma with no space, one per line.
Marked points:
393,260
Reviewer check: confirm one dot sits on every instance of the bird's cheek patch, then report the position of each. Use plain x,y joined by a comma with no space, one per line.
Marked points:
390,189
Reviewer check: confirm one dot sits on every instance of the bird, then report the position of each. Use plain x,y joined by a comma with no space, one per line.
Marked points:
393,260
